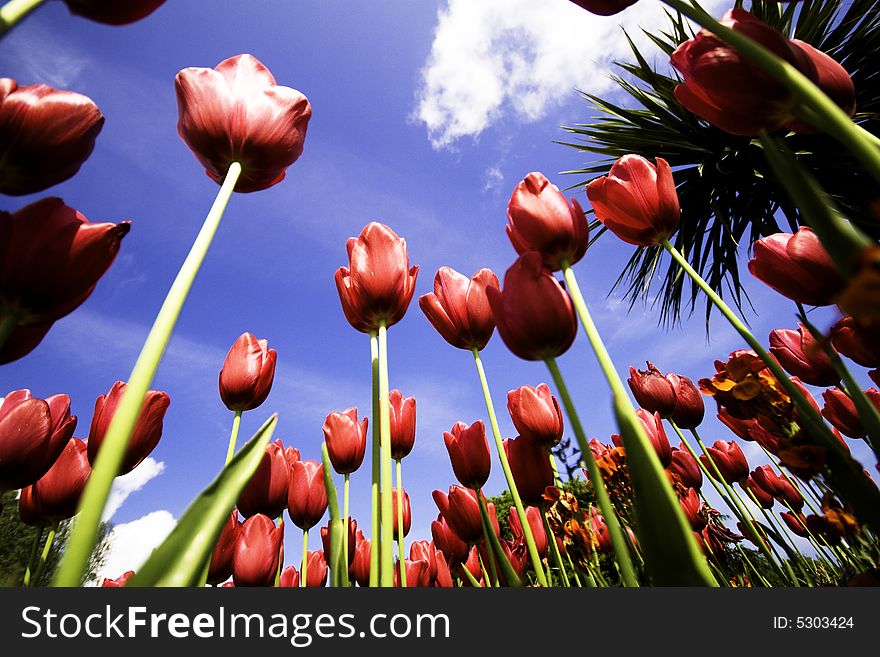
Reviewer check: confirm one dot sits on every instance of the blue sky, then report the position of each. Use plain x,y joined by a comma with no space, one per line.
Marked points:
425,116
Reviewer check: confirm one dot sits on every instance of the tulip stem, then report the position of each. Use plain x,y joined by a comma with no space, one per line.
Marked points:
786,563
386,573
557,480
831,118
618,543
510,576
279,522
85,528
15,10
473,580
494,581
554,548
7,326
233,437
376,464
337,559
32,560
345,521
44,558
401,552
508,474
304,566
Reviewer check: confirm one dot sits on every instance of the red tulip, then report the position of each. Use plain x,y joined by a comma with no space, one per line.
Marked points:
875,376
113,12
403,424
730,460
307,497
227,585
692,507
469,453
28,512
236,113
52,258
536,524
779,487
33,433
45,135
531,469
686,468
798,267
539,218
407,513
689,408
291,455
316,570
840,411
857,342
518,555
727,89
346,440
220,568
268,488
22,341
359,570
417,573
289,578
797,524
657,434
652,390
378,284
147,431
455,549
352,538
472,565
536,415
750,430
56,493
119,582
534,314
459,308
827,74
257,553
802,356
461,511
424,551
443,578
247,374
637,201
764,499
604,7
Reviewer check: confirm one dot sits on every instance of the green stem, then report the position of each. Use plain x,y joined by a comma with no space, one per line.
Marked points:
233,437
386,574
304,566
44,558
829,116
32,560
279,522
338,533
473,580
13,11
84,531
7,326
508,474
486,529
786,564
345,520
510,576
401,551
618,542
554,549
376,547
557,480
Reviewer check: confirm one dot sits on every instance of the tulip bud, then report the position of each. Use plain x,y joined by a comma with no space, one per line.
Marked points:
407,514
730,460
779,487
750,430
536,524
352,538
22,340
637,201
444,575
220,568
236,113
257,553
147,431
797,524
113,12
403,424
472,565
686,468
469,453
268,488
802,356
461,511
289,578
604,7
857,342
424,551
536,415
28,512
45,135
247,374
827,74
316,570
346,440
798,267
378,284
455,549
692,505
764,499
56,493
307,497
539,218
653,426
33,433
531,469
459,309
533,313
291,455
417,573
840,411
652,390
119,582
359,570
689,408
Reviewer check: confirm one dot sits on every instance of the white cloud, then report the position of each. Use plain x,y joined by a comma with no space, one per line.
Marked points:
130,483
131,543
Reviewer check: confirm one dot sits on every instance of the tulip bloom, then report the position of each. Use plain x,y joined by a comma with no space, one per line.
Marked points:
407,513
307,497
455,549
378,284
403,424
461,511
536,523
472,565
359,570
459,309
147,431
779,487
798,267
257,553
33,433
797,524
346,440
539,218
652,390
534,314
469,453
119,582
604,7
858,343
220,568
637,201
352,538
113,12
267,490
730,460
657,434
289,578
316,569
28,512
45,135
235,112
827,74
751,430
418,573
530,466
424,551
56,493
443,579
52,260
764,499
686,468
248,373
841,412
802,356
536,415
692,505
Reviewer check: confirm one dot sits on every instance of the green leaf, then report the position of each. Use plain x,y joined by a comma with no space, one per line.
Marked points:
181,558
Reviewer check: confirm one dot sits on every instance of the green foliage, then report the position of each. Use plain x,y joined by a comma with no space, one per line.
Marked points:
729,195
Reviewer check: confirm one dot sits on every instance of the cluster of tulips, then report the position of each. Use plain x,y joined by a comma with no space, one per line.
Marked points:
646,519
